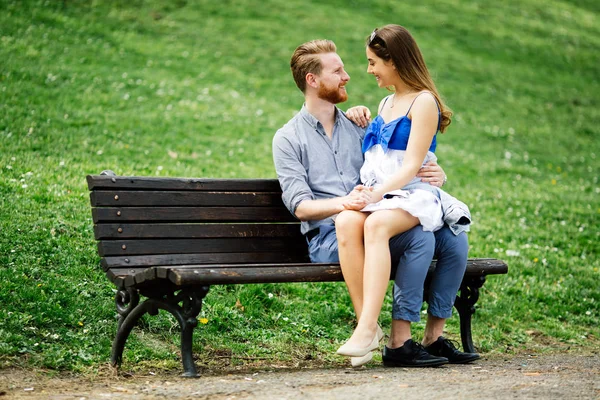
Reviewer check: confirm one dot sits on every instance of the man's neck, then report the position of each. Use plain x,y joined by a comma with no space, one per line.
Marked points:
323,111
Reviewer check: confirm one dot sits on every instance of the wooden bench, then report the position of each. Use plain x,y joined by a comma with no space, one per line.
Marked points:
170,239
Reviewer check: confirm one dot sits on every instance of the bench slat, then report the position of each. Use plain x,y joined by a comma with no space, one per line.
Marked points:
258,274
181,230
306,272
123,198
187,246
206,258
192,214
226,273
96,182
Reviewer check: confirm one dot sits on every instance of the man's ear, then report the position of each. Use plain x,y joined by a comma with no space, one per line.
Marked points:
311,80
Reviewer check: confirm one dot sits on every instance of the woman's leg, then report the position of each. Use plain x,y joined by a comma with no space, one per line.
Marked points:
349,227
380,226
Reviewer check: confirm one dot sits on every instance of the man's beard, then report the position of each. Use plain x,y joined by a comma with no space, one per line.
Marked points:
331,94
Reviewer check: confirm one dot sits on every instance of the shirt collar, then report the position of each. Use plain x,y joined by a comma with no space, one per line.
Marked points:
312,121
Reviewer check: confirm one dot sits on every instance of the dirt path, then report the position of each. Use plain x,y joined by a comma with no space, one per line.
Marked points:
541,377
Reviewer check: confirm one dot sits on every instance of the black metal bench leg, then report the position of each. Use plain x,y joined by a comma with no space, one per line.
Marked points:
465,305
185,314
127,301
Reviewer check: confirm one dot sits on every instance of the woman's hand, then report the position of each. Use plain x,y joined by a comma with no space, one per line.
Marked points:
360,115
433,174
358,198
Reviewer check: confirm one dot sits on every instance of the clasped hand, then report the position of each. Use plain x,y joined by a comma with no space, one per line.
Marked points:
359,197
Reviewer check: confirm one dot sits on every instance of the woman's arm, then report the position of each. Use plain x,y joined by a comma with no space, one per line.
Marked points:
424,117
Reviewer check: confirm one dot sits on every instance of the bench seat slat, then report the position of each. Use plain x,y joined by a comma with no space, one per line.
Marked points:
122,198
206,258
192,214
259,274
188,246
182,230
212,274
96,182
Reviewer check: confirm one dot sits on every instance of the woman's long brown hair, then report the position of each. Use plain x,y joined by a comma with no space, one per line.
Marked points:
395,43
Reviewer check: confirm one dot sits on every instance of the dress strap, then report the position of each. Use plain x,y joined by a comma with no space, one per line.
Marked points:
415,99
436,104
386,98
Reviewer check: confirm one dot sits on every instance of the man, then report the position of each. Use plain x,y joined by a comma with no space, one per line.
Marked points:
317,157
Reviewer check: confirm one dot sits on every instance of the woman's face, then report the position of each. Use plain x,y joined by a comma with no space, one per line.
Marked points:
384,71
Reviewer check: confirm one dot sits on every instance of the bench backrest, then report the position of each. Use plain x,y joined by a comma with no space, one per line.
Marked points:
141,222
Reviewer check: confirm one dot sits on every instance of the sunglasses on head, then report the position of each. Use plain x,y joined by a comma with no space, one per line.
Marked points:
373,36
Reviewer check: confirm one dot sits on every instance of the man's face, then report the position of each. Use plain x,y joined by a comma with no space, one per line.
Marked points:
332,80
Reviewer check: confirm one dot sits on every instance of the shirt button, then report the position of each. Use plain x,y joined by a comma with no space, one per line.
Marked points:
341,173
335,152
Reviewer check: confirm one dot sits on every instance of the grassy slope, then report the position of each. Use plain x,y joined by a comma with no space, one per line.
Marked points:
198,88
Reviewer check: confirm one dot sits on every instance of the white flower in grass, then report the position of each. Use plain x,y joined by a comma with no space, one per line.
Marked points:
270,295
512,253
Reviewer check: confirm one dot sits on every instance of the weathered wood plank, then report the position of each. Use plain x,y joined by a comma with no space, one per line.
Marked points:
195,184
192,214
128,198
298,256
259,274
191,230
188,246
213,274
308,272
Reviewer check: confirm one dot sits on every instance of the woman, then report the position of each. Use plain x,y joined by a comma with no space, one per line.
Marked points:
401,139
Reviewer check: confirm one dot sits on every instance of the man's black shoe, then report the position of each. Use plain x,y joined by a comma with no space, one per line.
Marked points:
411,354
443,347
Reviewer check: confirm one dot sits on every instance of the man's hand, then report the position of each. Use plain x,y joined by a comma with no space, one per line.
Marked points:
360,115
358,198
433,174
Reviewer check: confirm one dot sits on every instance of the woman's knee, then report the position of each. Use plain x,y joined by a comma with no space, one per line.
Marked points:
377,227
349,225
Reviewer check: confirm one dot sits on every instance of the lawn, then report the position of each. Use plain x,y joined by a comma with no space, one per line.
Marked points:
197,89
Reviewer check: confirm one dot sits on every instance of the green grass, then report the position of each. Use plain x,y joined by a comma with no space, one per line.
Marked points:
198,88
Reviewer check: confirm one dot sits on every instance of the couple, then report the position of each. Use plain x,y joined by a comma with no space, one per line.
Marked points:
320,164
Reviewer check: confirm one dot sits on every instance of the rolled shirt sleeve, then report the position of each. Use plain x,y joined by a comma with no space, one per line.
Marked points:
292,175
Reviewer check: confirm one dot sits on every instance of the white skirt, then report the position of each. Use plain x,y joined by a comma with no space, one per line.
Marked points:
419,203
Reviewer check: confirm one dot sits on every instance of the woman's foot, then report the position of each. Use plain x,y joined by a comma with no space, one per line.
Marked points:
352,350
360,361
359,345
